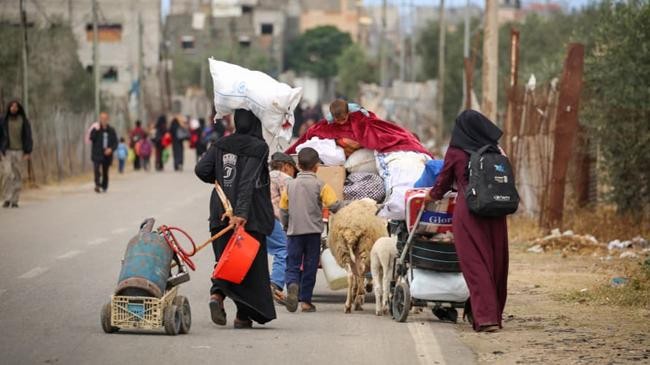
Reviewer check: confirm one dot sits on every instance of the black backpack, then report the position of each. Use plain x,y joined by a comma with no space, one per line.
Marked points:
491,190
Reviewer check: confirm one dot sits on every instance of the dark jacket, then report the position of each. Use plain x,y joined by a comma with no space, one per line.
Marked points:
246,183
28,143
97,152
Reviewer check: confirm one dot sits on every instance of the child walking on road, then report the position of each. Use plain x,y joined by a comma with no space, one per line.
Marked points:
122,154
301,205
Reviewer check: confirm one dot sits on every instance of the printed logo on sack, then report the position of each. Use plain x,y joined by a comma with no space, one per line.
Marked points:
500,168
229,171
501,198
241,88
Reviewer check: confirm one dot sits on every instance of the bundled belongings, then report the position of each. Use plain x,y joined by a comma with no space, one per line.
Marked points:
399,171
436,217
271,101
330,154
368,130
359,185
362,160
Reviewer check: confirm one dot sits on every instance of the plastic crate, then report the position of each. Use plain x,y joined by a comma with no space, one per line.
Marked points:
140,312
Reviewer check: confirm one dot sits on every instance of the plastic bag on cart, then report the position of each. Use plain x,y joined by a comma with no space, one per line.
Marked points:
438,286
359,185
399,170
328,151
362,160
273,102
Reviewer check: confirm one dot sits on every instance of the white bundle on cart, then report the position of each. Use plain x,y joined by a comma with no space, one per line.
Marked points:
273,102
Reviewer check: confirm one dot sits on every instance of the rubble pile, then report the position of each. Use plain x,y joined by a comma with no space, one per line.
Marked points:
570,243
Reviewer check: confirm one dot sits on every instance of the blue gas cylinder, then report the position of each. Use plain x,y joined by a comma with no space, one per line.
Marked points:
146,265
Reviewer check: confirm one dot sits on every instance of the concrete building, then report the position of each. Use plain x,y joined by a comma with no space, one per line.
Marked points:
118,39
346,15
194,26
118,34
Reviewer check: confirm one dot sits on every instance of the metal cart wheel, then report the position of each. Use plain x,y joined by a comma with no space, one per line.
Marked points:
186,313
172,320
106,319
401,303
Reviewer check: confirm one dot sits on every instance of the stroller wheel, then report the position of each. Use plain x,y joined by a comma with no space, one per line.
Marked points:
401,303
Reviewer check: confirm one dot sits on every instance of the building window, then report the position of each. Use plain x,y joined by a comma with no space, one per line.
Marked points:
244,41
246,9
187,42
109,74
108,33
267,29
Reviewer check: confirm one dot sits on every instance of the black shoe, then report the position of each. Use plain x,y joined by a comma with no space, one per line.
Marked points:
6,204
242,323
292,297
217,312
14,205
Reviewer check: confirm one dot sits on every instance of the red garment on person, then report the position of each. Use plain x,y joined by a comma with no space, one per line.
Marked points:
370,131
481,244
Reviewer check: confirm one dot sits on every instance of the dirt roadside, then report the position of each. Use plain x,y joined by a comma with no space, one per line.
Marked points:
544,324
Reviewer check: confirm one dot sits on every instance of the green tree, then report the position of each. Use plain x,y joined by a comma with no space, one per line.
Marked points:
427,48
616,100
354,67
315,51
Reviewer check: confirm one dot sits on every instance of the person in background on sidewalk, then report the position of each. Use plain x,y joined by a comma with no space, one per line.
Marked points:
301,206
145,149
283,170
122,154
136,135
15,146
104,142
161,130
179,134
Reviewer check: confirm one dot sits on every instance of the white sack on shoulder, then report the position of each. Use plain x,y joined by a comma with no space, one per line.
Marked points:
329,152
362,160
273,102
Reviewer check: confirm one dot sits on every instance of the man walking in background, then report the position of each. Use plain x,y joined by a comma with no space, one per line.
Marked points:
104,142
15,146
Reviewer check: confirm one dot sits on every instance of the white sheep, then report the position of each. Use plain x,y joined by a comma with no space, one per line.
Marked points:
382,259
353,231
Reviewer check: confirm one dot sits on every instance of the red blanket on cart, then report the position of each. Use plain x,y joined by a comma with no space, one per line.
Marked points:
370,131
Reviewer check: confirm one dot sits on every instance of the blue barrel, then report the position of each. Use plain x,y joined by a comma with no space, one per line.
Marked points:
146,265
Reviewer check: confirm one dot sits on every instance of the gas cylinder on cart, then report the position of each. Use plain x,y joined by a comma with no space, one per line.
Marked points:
146,265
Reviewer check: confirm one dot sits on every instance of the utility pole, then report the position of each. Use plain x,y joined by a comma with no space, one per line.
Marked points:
141,111
402,48
467,92
440,97
23,22
70,13
490,60
382,49
96,59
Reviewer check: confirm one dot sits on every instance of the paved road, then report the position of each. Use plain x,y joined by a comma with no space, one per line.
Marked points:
61,255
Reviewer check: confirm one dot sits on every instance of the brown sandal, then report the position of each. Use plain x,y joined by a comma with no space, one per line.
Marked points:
242,323
217,312
307,307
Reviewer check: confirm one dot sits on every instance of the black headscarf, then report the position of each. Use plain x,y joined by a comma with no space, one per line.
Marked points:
247,139
473,130
20,113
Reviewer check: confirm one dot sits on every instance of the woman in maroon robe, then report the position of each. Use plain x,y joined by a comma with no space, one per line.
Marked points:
481,242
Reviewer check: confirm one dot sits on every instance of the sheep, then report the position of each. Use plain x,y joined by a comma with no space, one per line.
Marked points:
382,259
353,231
